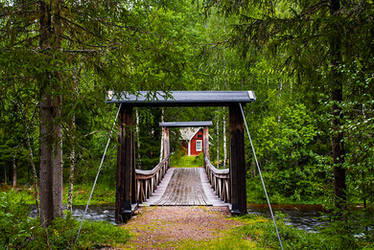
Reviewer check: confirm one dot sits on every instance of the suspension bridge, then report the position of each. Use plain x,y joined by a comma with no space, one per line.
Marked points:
168,186
165,186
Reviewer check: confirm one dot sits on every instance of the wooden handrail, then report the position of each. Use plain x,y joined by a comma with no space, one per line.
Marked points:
219,180
148,180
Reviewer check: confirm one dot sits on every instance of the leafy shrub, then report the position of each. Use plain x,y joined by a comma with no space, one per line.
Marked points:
15,224
18,230
283,146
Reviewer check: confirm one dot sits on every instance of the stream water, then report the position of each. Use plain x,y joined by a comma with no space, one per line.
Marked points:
305,217
94,213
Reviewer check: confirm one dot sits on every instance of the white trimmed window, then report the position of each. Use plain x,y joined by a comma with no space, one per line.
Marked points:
199,145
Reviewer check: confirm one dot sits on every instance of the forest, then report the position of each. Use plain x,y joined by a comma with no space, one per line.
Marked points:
310,64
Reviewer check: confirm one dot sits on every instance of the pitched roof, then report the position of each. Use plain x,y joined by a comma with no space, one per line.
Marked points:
181,98
186,124
187,133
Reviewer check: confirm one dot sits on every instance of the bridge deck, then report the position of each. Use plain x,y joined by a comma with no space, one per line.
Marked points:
185,187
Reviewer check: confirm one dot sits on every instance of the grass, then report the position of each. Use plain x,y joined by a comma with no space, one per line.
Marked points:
186,161
103,194
257,232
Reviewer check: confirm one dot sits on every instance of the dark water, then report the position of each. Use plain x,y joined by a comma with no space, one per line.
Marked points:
94,213
307,218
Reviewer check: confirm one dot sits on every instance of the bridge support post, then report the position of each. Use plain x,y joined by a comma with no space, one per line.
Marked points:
206,144
237,162
166,143
125,187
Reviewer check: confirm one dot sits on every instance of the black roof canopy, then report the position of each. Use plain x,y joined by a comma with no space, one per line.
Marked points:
186,124
182,98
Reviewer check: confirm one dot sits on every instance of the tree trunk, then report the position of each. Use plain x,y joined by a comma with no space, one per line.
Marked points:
31,156
224,142
162,136
15,166
217,132
336,86
5,176
72,166
363,181
50,112
50,162
139,160
71,179
279,98
34,173
72,157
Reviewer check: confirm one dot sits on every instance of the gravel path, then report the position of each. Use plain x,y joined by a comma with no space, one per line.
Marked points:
164,227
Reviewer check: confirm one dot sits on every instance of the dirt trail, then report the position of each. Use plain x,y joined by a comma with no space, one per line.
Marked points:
166,227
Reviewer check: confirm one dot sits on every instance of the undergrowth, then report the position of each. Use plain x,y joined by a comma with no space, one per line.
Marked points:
103,194
18,230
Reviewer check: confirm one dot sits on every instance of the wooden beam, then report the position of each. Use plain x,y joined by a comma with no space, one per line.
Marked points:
125,166
237,162
133,163
206,142
166,142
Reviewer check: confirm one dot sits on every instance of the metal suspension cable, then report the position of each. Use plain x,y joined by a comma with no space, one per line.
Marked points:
262,180
97,174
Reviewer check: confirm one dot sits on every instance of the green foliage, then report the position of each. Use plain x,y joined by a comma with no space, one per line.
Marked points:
24,195
283,145
149,137
15,224
18,230
351,228
62,235
104,194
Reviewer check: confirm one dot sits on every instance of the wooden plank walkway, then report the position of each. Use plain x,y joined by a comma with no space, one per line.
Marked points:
185,187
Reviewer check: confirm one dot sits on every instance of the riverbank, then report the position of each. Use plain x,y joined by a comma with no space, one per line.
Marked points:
189,228
103,194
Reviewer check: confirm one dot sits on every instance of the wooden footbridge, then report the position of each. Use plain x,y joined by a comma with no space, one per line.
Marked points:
165,186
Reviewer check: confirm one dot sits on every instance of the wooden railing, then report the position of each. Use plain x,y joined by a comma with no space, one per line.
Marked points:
220,180
148,180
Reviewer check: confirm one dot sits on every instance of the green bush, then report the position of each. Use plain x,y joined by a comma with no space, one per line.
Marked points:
18,230
15,224
283,145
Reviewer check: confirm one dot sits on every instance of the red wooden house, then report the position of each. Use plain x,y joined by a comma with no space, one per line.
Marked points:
195,144
191,134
